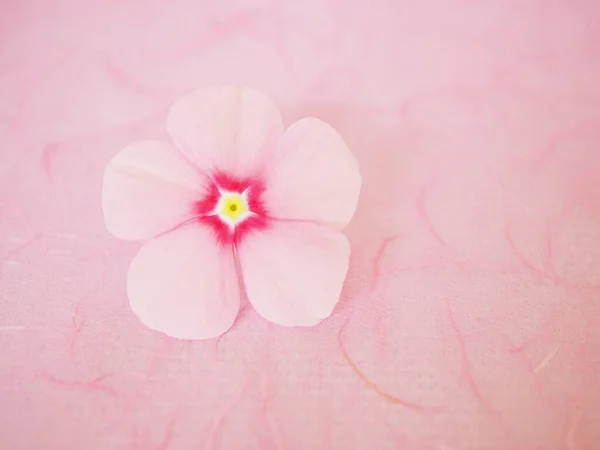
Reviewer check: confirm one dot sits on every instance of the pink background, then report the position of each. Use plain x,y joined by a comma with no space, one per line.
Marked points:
469,319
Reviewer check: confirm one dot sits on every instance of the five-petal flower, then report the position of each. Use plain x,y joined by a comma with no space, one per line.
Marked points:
235,206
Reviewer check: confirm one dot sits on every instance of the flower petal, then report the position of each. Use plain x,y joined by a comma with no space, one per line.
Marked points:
314,176
230,129
149,188
293,271
185,284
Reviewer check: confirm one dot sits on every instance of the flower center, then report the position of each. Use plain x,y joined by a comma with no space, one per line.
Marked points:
233,207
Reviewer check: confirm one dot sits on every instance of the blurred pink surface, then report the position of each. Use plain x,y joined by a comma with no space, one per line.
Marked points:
469,319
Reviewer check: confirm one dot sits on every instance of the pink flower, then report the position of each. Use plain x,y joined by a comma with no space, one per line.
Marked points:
236,207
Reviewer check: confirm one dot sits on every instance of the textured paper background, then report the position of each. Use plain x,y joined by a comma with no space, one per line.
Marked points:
470,316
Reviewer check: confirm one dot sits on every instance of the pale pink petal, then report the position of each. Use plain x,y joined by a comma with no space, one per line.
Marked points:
293,271
149,188
231,129
184,284
313,176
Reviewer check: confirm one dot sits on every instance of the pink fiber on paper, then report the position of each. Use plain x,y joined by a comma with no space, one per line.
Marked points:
470,316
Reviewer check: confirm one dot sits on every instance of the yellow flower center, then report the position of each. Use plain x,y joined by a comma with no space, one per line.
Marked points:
233,207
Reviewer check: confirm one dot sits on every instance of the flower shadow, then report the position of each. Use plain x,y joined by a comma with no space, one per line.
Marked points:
386,147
